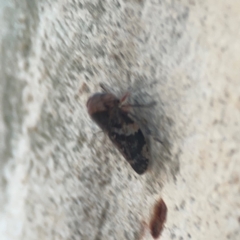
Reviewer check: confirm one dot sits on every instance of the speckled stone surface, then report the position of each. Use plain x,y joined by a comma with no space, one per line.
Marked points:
59,177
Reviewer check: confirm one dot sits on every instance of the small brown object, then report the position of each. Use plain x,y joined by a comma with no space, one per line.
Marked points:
158,219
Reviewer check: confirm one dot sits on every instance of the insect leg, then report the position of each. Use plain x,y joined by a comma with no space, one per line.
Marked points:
151,104
127,107
124,98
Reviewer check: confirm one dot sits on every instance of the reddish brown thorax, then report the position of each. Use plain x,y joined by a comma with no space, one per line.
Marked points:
101,102
158,219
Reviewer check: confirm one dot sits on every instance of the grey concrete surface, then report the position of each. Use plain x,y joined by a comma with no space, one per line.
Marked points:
60,178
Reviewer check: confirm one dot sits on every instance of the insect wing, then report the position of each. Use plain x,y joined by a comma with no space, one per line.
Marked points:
130,141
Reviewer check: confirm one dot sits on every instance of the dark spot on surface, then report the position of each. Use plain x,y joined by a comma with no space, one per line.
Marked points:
30,98
173,236
182,205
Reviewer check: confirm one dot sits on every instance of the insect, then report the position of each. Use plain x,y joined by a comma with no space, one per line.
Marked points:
112,115
157,221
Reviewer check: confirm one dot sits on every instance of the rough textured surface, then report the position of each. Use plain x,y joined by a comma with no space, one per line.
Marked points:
61,180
